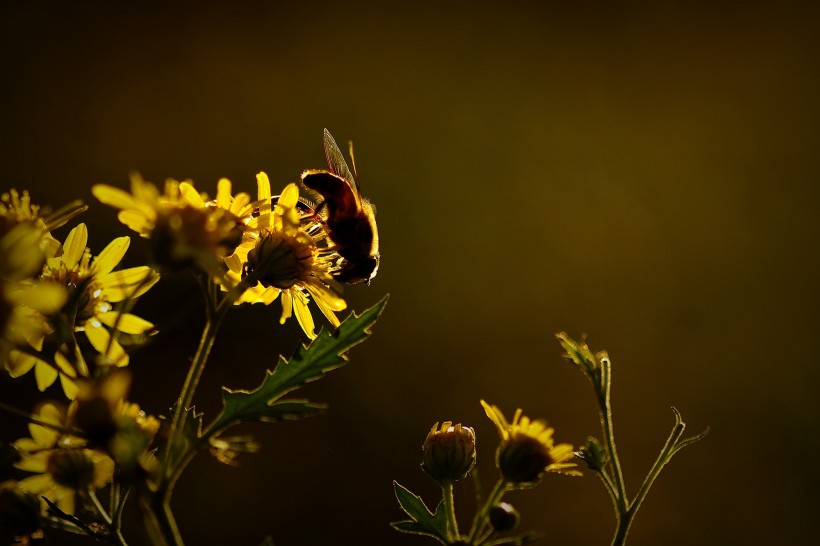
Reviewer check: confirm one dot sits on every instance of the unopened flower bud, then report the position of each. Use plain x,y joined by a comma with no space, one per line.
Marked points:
593,454
449,452
504,517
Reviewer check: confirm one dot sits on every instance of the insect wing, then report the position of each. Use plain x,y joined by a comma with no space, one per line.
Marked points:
340,197
338,165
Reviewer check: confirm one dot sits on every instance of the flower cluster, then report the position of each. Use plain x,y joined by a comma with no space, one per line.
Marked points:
275,245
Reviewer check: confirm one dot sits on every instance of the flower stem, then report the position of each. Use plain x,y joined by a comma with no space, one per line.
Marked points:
605,407
449,509
115,537
483,515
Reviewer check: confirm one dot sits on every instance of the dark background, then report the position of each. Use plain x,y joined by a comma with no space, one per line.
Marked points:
643,172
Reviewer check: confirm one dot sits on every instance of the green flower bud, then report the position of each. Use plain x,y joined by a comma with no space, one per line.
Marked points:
504,517
593,454
449,452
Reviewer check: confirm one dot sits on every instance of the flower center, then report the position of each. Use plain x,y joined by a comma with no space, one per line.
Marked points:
280,260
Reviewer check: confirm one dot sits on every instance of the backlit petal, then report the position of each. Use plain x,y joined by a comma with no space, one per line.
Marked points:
111,256
101,341
125,322
74,246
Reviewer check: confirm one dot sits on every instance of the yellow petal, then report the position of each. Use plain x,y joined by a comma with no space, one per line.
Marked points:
127,283
46,297
101,341
269,295
66,502
74,246
111,256
65,366
223,193
496,417
303,316
46,436
30,464
125,322
138,221
240,202
234,263
263,193
120,199
37,484
20,363
191,196
287,306
44,374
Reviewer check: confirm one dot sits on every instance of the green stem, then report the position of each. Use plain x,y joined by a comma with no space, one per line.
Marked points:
158,507
610,488
605,404
483,515
449,510
625,519
115,535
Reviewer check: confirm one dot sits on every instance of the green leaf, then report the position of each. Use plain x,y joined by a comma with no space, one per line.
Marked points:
308,363
424,522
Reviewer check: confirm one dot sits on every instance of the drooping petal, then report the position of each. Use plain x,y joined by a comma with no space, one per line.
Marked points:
303,316
45,375
20,363
111,256
74,246
125,322
46,436
287,306
102,341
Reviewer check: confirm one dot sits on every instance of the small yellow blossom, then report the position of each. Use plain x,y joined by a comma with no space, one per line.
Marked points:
285,251
527,448
184,227
63,466
93,286
17,209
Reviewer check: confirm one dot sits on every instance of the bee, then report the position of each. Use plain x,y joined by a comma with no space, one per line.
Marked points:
349,218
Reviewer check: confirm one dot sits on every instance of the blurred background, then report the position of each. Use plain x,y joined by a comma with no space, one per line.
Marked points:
643,172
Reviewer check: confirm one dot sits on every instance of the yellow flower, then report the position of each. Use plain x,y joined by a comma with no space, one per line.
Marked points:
93,287
285,250
61,463
16,209
24,302
184,227
527,448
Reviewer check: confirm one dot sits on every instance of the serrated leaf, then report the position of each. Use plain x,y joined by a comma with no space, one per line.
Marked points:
191,432
289,409
308,363
424,521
